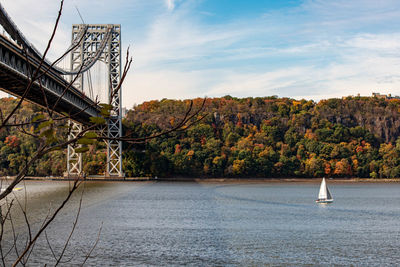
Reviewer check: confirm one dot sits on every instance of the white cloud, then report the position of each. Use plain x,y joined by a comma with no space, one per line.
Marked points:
383,43
148,85
324,48
170,4
220,59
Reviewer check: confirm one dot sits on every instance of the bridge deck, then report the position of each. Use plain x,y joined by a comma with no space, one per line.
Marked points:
14,70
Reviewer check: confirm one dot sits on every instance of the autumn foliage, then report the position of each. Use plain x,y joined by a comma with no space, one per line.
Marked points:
248,137
270,137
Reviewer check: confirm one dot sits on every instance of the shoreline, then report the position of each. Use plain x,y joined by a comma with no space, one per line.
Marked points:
281,180
216,180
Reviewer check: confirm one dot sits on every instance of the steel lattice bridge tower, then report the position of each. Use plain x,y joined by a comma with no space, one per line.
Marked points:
99,42
90,43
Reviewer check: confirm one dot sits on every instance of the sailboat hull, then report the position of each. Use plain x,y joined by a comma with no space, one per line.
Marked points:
324,201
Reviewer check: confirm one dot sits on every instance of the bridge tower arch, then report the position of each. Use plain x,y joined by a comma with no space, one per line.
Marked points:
99,42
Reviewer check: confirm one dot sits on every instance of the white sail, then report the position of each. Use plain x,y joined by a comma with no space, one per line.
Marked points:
324,195
328,194
323,190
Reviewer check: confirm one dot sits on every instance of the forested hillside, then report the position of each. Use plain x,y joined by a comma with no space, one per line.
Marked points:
249,137
271,137
16,147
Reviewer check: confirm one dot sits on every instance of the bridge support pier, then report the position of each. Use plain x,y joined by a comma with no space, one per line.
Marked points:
114,148
101,42
114,124
74,160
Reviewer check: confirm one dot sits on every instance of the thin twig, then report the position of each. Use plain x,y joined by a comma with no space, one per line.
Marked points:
94,245
34,76
28,247
3,220
50,247
73,229
178,127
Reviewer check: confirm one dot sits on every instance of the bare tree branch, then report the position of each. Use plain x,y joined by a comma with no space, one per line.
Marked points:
182,124
34,76
76,184
72,231
94,245
127,66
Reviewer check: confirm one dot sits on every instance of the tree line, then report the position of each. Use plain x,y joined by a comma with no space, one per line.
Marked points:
238,137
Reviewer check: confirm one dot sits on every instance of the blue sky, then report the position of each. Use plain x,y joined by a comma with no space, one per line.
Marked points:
311,49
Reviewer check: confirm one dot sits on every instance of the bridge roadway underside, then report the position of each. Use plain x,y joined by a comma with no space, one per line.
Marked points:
14,80
17,86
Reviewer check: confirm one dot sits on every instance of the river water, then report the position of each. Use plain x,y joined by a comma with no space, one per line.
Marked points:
254,224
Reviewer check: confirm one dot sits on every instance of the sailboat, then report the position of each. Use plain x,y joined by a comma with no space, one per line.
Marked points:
324,195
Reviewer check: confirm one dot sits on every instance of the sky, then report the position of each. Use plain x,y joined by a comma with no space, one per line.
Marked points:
312,49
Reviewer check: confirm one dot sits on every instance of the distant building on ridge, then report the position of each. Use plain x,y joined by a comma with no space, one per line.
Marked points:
388,96
377,95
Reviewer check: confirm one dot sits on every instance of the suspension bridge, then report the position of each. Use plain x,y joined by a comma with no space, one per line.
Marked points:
92,64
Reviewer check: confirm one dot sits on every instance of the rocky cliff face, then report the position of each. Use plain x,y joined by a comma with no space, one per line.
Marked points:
380,117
